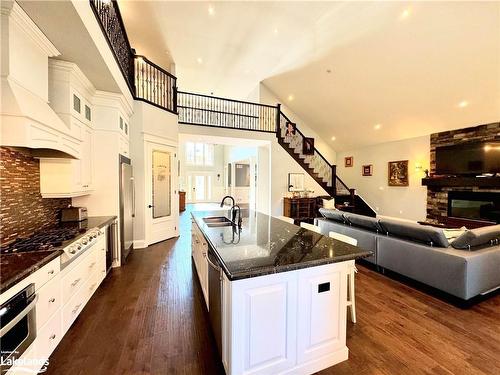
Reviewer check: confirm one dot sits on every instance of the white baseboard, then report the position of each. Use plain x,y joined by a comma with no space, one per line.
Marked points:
319,364
140,244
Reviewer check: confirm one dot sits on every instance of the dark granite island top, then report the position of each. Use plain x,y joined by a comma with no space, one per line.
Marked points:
268,245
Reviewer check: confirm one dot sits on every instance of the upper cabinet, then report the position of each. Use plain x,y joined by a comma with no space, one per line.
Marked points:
70,95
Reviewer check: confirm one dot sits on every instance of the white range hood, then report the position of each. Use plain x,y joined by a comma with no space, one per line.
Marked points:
27,120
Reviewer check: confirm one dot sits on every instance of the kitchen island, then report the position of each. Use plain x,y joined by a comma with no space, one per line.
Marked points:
276,293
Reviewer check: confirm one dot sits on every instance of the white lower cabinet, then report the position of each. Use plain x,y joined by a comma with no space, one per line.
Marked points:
199,254
62,295
286,323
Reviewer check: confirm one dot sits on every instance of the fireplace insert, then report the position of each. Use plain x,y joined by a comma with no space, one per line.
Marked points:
474,205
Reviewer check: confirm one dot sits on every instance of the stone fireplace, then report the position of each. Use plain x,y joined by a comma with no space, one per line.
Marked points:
438,195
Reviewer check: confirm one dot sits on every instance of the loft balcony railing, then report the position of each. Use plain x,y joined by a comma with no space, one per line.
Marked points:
111,22
205,110
146,80
155,85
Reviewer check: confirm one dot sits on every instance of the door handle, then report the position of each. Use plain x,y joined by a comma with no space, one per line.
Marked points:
150,206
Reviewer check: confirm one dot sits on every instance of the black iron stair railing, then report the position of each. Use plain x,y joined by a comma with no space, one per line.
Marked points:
146,80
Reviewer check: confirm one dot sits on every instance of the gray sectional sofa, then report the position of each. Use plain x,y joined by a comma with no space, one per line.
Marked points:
466,267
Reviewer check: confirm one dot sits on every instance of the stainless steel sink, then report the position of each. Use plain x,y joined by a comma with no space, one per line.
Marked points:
217,221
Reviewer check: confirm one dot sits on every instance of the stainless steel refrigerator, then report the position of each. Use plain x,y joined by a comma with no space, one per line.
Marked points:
127,208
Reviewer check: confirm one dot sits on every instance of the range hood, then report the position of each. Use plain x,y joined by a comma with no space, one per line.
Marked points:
26,118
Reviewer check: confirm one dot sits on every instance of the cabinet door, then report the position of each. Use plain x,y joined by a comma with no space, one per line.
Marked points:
322,311
264,324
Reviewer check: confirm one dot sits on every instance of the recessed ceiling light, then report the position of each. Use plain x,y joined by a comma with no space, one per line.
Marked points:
275,30
377,126
404,14
328,71
334,138
463,104
200,60
211,10
291,97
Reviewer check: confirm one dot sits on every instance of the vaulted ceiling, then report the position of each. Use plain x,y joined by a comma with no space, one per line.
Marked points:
361,72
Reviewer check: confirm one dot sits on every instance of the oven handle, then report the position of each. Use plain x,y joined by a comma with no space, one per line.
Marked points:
18,318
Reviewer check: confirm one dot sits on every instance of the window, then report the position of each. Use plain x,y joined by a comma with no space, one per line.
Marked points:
200,154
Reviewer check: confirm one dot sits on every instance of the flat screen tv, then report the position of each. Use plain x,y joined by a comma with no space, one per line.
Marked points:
472,158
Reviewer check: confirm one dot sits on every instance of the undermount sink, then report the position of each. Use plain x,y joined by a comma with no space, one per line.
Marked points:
217,221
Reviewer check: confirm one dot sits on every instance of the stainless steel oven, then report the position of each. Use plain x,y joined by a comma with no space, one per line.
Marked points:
17,325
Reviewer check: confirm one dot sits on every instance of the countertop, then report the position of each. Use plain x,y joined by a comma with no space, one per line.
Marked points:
16,267
268,245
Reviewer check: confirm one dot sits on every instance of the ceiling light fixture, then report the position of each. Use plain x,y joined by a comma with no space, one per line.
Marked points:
211,10
334,138
377,126
200,60
405,14
291,97
328,71
275,30
463,104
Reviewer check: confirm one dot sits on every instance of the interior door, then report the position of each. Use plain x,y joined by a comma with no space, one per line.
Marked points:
161,183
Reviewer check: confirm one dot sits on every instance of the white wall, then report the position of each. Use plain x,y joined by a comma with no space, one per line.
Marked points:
405,202
149,123
266,96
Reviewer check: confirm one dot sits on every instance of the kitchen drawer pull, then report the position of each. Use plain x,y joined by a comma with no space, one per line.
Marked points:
76,309
92,287
92,265
51,272
52,337
75,282
52,300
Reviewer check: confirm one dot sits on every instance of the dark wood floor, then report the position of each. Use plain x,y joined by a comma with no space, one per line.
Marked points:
148,318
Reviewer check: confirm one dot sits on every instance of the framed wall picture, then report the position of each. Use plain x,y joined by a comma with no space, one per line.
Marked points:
308,146
367,170
348,161
398,173
291,129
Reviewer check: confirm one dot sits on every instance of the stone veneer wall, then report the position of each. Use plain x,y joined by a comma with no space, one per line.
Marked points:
437,197
23,211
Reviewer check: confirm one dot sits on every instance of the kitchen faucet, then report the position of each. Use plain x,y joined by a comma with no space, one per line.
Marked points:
233,212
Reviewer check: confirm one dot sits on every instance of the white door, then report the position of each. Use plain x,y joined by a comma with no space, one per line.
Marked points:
199,186
161,184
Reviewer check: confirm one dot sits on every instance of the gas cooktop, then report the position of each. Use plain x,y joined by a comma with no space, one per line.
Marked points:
42,241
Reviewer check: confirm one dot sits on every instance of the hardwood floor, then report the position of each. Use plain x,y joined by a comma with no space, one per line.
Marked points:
148,318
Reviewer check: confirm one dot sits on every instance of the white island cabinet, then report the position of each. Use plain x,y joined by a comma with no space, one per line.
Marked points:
286,323
283,293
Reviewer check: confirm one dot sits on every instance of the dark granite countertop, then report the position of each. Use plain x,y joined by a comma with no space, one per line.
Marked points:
15,267
267,245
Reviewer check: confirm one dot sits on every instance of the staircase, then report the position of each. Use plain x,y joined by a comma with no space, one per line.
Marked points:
319,168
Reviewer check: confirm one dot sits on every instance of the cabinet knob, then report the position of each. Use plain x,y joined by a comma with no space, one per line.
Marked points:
52,337
52,300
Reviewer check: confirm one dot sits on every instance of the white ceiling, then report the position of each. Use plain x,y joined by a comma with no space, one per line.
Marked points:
405,66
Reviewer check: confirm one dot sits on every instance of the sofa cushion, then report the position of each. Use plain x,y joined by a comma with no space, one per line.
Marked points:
329,204
363,221
335,214
477,238
414,231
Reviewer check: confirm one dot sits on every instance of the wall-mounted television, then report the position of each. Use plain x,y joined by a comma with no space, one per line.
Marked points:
473,158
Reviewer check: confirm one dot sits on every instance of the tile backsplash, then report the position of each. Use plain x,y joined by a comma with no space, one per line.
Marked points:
23,211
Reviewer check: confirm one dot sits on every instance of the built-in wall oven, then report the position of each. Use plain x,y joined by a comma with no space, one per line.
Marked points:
18,325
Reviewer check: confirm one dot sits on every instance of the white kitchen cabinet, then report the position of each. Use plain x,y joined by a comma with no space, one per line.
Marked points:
62,295
199,253
61,178
286,323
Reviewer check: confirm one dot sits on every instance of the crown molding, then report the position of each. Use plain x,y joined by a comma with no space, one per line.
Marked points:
17,15
74,72
112,99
